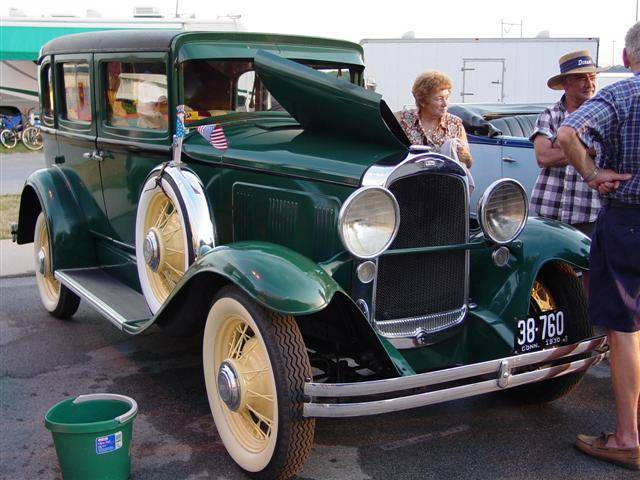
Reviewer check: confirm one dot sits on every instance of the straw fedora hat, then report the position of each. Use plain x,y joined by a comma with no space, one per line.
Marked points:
574,62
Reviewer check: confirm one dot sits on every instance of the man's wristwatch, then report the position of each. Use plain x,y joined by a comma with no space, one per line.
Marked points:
592,175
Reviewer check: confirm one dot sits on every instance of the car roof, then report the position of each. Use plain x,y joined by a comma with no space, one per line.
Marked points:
161,40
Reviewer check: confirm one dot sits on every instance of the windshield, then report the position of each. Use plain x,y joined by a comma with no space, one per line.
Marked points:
218,87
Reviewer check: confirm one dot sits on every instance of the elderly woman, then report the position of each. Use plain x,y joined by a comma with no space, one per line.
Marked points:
429,123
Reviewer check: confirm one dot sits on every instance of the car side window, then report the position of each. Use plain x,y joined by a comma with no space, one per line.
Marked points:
76,104
136,94
46,80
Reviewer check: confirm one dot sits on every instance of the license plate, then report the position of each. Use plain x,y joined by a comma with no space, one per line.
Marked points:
539,332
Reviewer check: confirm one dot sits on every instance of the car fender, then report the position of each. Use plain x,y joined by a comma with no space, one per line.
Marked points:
277,278
48,190
504,292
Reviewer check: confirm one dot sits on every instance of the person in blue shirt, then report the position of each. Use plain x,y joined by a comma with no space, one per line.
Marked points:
610,123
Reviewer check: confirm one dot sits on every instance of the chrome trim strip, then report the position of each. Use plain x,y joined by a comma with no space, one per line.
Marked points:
108,312
396,384
455,393
402,341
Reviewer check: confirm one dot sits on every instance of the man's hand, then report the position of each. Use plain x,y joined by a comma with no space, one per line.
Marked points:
607,181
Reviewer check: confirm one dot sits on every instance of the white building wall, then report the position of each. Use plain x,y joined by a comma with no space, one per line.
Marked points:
394,64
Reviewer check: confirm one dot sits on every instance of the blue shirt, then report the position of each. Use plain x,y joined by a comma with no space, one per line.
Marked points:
610,122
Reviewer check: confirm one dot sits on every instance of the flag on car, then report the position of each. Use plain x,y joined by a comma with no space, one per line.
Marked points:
214,134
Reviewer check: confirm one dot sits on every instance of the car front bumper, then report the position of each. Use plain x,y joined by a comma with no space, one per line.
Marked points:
354,399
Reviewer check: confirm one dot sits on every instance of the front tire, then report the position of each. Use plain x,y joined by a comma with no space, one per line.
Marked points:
255,365
55,297
557,288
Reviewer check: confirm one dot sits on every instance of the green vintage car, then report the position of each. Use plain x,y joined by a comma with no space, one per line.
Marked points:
332,269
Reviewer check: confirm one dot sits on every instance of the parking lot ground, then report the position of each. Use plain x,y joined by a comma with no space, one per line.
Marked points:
44,360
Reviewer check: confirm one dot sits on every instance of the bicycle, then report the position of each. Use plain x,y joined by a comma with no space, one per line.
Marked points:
11,130
31,136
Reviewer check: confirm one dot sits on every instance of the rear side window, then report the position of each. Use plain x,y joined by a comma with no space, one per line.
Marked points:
136,94
46,82
76,105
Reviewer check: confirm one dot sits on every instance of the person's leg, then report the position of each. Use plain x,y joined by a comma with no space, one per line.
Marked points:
625,377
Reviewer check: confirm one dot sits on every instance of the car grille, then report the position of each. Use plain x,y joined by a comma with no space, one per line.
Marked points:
424,291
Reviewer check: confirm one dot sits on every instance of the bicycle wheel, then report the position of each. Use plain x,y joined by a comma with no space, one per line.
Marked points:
8,138
32,138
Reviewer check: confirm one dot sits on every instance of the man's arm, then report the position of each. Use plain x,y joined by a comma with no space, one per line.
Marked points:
548,153
603,180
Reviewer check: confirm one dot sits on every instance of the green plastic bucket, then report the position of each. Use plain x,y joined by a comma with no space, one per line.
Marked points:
92,436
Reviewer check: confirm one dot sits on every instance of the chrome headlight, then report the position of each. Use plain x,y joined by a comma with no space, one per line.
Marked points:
369,221
503,210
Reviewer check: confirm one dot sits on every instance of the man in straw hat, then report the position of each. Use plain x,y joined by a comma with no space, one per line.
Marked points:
559,192
610,122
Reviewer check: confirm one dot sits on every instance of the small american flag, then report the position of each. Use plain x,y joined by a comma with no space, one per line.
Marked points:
214,134
180,130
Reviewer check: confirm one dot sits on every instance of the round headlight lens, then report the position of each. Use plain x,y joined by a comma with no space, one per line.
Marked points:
503,210
369,221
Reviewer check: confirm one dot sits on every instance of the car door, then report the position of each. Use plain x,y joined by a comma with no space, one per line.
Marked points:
519,161
133,131
76,134
487,164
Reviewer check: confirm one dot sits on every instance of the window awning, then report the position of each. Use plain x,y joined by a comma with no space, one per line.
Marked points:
24,42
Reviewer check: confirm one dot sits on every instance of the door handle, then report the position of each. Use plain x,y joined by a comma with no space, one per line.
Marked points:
509,160
95,155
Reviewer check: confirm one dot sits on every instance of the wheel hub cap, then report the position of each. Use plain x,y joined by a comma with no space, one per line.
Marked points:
42,259
151,250
229,386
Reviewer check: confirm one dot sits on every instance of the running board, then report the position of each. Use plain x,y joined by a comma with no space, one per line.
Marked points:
121,305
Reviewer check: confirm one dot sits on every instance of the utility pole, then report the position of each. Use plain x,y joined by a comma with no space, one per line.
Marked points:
508,26
177,8
613,53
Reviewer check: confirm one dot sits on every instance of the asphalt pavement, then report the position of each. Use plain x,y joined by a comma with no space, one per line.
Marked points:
15,168
44,360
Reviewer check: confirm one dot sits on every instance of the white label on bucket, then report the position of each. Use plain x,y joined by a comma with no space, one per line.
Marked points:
109,443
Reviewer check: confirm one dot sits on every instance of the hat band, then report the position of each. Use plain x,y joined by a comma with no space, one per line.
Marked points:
574,63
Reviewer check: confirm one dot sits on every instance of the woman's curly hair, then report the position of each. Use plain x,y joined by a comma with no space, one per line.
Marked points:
428,82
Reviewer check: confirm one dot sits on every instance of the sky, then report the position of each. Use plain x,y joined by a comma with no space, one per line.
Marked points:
350,20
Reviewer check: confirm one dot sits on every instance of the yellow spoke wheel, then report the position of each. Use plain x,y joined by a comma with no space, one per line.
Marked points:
255,364
556,287
164,247
162,223
56,298
541,297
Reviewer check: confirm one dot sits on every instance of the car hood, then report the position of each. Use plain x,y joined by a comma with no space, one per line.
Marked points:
322,103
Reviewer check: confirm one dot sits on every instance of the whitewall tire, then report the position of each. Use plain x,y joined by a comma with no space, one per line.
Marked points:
255,364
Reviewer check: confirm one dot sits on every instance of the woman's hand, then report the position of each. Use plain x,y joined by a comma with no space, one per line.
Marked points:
464,155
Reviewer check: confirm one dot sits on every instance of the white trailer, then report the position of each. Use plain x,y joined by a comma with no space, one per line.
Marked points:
510,70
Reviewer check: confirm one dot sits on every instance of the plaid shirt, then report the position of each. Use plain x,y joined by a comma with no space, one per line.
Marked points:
610,122
559,192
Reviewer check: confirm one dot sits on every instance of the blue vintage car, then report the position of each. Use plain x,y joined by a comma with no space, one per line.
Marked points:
499,141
